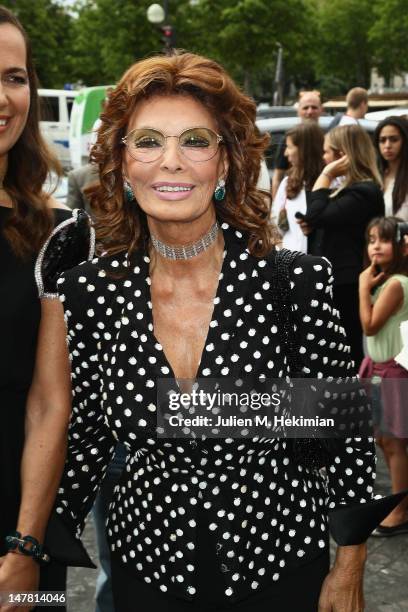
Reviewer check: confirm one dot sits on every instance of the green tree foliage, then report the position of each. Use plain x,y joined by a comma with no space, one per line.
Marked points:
329,43
49,28
109,35
388,36
243,35
343,49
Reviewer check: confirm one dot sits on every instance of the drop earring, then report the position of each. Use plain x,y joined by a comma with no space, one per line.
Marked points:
127,188
219,193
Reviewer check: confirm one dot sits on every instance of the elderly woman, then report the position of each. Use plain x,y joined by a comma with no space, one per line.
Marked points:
185,290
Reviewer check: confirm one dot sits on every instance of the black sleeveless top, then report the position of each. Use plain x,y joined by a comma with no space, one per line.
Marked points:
20,311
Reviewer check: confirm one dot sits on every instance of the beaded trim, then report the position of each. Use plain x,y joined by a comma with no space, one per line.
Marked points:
188,251
40,258
313,453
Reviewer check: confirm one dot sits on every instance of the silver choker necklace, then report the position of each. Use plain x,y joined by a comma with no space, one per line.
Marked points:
188,251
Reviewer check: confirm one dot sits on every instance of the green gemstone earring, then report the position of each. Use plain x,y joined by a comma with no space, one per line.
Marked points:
219,193
129,195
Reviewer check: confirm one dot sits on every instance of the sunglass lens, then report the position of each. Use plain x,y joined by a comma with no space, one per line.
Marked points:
199,144
145,144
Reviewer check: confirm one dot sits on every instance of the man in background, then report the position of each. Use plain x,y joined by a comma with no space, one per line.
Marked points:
309,106
357,106
78,180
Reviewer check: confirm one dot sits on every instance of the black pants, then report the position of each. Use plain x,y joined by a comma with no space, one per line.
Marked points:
346,300
298,590
53,577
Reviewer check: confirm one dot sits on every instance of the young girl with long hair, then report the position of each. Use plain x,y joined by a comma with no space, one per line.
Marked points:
383,289
391,140
304,149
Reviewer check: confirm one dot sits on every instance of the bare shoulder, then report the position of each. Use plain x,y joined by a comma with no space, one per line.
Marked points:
391,296
393,286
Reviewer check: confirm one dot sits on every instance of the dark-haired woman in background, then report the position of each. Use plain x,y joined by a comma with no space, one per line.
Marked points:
391,140
32,440
304,151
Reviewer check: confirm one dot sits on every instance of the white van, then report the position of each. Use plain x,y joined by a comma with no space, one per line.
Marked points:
55,112
85,112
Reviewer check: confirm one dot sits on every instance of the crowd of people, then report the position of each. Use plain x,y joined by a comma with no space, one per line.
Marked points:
342,194
189,284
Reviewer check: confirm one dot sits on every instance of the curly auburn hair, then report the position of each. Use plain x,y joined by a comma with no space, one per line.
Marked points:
28,164
122,226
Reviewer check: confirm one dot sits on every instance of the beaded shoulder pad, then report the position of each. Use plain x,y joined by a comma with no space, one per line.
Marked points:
71,242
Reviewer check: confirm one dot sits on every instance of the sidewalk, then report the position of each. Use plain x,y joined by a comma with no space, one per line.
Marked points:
386,581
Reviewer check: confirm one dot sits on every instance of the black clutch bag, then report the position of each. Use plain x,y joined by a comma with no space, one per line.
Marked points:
352,525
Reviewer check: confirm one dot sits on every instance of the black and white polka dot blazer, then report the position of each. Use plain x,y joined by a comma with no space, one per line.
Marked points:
265,512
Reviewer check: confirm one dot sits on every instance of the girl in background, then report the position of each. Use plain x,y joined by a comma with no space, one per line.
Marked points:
391,140
383,306
304,150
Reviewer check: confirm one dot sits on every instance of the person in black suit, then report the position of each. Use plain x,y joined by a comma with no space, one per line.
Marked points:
78,181
345,197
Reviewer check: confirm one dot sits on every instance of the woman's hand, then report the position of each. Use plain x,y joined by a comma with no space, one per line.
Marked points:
18,574
342,589
370,277
338,167
305,227
373,317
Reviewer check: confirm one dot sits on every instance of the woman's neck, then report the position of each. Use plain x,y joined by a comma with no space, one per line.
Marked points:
386,267
182,235
3,170
5,199
392,168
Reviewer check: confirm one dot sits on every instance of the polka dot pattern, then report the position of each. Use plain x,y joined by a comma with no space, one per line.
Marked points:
261,511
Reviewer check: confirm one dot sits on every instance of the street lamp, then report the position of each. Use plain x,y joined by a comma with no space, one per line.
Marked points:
279,78
158,15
